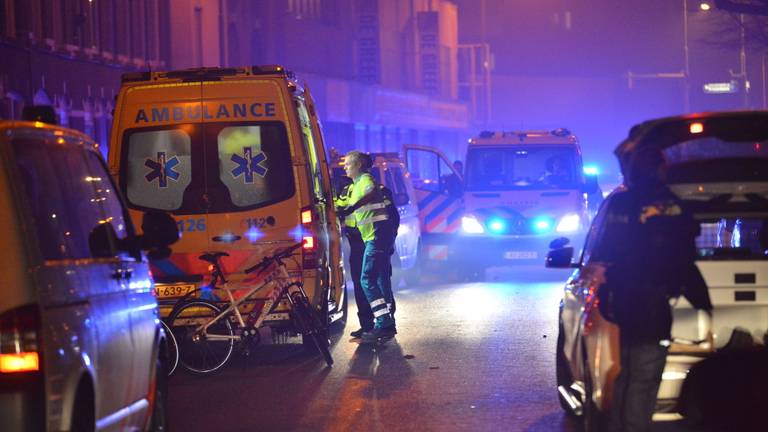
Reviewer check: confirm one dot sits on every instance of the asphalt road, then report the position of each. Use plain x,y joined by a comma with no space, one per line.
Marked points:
468,356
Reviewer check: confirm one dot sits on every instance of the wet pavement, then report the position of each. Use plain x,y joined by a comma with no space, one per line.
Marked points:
468,357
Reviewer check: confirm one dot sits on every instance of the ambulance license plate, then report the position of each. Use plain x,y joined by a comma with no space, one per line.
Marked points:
514,255
163,291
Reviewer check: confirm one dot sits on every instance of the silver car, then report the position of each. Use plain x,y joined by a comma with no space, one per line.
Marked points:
718,165
80,343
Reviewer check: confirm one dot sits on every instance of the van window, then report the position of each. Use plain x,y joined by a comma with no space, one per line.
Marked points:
313,159
106,194
61,196
522,167
208,168
398,182
427,170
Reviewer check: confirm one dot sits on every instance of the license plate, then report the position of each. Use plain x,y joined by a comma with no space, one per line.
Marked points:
163,291
513,255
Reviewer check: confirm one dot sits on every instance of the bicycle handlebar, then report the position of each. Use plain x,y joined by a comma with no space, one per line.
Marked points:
274,258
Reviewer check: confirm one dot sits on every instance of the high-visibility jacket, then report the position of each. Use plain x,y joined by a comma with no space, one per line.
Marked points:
374,211
343,201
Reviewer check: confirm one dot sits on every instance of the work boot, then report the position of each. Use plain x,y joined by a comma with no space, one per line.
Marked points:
380,333
359,332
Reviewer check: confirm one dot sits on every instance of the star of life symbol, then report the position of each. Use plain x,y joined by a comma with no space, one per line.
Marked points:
162,169
248,165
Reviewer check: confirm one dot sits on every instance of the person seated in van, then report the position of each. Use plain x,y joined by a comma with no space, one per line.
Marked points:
452,183
368,207
556,173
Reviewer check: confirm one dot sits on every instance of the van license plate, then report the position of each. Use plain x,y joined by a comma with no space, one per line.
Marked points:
162,291
512,255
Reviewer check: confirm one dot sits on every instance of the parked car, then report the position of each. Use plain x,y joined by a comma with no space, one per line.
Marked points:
81,347
717,164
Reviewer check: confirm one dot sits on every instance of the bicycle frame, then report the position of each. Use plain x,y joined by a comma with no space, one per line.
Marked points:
282,281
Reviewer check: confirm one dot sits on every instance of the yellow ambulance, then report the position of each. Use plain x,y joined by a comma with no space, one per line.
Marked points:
237,156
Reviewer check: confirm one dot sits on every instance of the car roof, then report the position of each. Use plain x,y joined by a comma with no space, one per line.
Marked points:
558,136
662,133
13,128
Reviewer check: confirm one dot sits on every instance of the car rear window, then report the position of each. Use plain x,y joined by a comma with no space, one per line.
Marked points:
207,168
733,239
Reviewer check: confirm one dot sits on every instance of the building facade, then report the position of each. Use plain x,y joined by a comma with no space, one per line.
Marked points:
383,72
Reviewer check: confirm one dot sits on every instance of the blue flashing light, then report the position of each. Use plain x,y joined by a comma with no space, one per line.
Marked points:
297,233
253,234
591,170
497,225
542,224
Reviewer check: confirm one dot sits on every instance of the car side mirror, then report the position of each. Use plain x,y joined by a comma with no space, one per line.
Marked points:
159,232
102,241
559,243
590,184
560,258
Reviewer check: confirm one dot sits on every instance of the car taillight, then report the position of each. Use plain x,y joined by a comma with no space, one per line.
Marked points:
309,248
19,343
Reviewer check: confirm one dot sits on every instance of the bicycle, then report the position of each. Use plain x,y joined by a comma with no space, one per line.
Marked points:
206,330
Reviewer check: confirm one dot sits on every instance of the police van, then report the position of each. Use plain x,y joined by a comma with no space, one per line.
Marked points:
237,156
519,191
390,171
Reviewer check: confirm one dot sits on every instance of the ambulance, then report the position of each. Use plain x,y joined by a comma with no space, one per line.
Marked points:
518,192
237,156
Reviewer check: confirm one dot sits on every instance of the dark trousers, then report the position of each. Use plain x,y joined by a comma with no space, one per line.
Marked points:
635,389
356,250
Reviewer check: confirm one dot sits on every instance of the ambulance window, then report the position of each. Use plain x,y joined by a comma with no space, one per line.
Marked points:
254,164
159,167
309,145
60,194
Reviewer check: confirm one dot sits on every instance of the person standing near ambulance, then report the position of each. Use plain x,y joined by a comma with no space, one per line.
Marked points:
368,208
356,251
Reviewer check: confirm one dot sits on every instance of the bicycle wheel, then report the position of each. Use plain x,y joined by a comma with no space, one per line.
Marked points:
198,353
311,326
172,348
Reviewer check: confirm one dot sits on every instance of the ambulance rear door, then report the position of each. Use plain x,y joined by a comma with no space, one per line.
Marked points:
250,201
439,194
324,199
160,133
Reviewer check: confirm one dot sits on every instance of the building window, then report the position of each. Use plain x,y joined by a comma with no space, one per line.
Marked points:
107,26
137,29
122,19
152,29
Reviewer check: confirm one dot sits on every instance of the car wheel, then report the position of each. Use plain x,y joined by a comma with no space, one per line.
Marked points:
562,373
83,415
159,421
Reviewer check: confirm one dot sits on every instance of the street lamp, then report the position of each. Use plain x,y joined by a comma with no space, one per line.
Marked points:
705,6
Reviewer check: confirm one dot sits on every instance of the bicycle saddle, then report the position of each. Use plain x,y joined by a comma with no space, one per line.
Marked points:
212,257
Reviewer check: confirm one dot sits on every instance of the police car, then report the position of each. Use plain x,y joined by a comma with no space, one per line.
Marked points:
389,170
718,165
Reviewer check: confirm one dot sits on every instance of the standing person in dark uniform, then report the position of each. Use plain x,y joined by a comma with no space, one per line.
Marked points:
356,250
649,248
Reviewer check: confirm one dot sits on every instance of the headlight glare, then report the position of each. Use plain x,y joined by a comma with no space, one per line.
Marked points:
569,223
470,225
